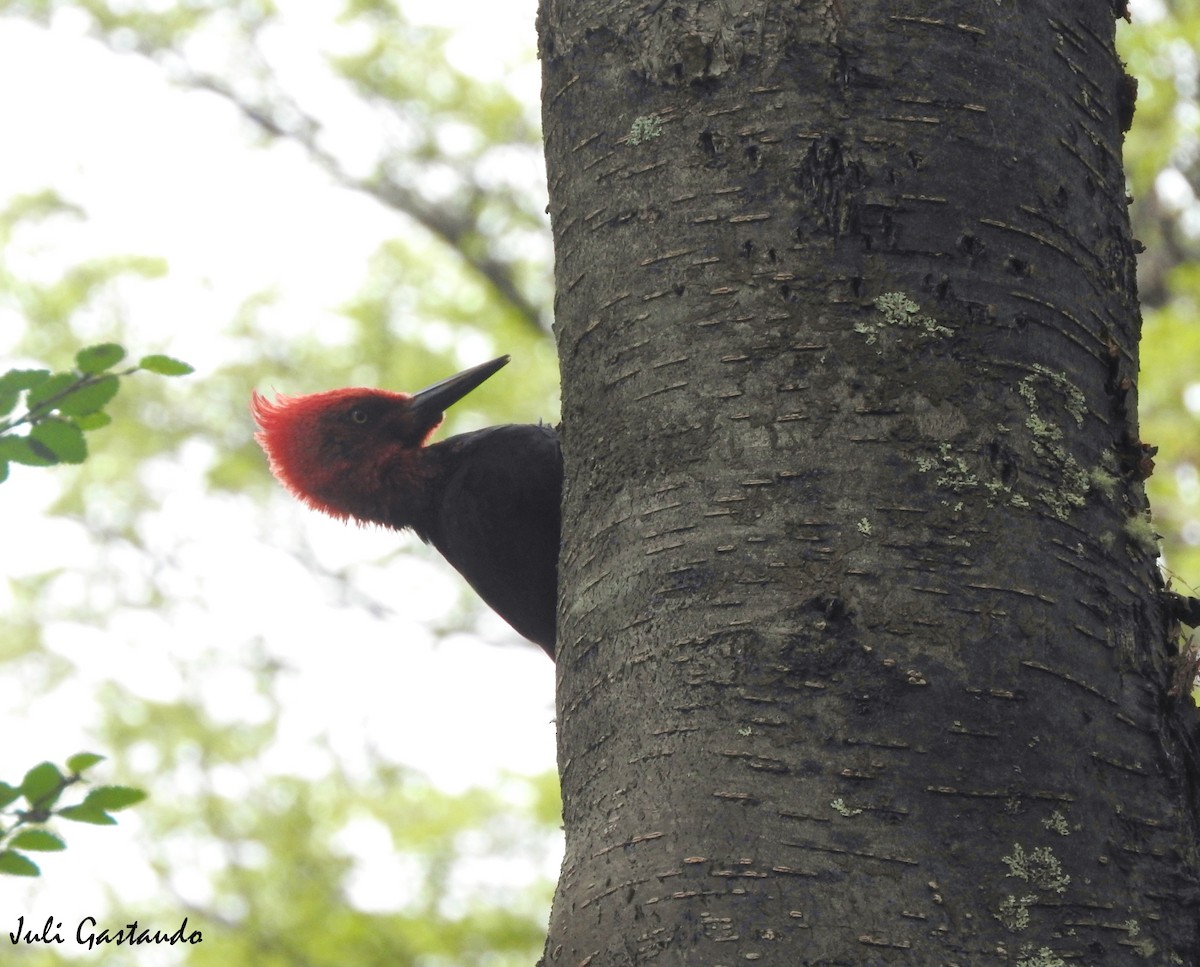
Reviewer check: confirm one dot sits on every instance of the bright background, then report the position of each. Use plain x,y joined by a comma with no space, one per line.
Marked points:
367,655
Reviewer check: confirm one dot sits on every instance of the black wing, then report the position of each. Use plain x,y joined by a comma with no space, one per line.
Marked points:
498,519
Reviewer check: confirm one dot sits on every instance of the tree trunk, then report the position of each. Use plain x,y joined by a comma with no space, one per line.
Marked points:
863,658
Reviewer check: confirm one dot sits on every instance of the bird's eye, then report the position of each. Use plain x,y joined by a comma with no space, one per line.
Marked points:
358,416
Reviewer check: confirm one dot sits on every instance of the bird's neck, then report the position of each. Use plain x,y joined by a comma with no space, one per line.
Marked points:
397,489
410,489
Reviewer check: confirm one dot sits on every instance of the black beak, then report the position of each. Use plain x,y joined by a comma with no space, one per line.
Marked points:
429,404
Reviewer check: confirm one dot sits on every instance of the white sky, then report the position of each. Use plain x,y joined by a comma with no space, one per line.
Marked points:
170,174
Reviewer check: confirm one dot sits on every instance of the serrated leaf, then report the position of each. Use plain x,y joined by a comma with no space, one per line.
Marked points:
165,365
20,449
15,382
92,421
98,359
8,794
82,761
14,864
65,440
38,840
89,398
50,387
113,797
85,814
39,782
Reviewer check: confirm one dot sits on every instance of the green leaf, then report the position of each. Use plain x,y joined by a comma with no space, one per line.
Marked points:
113,797
92,421
42,785
50,387
15,382
98,359
8,794
3,470
39,840
17,865
20,449
63,439
85,814
164,365
82,761
90,397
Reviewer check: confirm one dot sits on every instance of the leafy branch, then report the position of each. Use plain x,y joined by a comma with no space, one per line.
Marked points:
41,789
58,408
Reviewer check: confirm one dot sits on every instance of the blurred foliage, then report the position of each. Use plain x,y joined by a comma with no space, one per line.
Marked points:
351,863
1162,157
367,863
23,828
280,854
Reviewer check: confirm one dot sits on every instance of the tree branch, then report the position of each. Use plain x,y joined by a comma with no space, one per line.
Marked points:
453,230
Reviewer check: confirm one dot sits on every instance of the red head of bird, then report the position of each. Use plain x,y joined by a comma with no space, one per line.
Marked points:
358,452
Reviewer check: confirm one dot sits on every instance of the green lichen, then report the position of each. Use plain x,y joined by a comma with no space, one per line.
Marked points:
1014,912
864,527
1041,868
1074,483
1141,531
1047,434
1145,947
954,473
645,128
839,806
1102,481
1070,484
1073,398
897,308
900,312
1056,822
1071,491
1044,957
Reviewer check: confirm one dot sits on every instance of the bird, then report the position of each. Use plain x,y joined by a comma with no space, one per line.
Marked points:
487,500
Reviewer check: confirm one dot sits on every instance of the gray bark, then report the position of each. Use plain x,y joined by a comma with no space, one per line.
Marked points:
862,653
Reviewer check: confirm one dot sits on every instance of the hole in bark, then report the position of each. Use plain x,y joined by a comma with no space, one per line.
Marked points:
747,248
1003,461
831,606
1016,266
970,246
